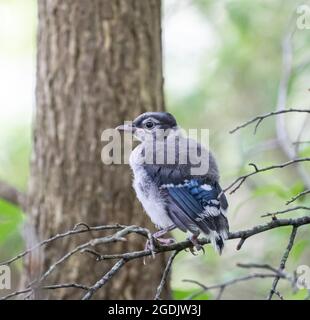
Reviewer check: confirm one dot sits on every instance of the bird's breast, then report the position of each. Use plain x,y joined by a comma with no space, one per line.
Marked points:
149,195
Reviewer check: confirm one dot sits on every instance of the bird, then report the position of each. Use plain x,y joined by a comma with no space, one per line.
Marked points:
171,193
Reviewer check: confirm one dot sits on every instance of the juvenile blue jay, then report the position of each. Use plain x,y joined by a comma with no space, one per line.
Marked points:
172,196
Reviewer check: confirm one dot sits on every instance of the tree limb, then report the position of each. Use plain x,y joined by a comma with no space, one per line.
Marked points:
12,195
123,258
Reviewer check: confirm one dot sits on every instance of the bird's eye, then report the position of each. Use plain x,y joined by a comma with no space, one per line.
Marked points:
149,124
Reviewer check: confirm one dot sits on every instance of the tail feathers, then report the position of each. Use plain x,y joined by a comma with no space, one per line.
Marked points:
218,241
219,245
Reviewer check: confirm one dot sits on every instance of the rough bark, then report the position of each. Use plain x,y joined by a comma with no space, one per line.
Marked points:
99,63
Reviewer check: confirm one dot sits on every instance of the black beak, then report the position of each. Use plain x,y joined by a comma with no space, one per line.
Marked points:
126,128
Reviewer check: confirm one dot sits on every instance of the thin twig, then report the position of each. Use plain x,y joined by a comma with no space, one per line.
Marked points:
284,211
259,119
50,287
240,180
74,231
283,262
298,196
222,286
165,275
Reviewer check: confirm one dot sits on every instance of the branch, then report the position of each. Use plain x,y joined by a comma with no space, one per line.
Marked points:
104,279
260,118
13,195
240,180
283,262
273,214
50,287
76,230
165,275
222,286
298,196
120,233
243,234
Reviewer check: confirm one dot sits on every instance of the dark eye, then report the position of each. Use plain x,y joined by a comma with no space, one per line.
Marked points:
149,124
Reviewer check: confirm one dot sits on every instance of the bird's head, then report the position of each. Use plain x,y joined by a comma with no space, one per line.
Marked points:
151,124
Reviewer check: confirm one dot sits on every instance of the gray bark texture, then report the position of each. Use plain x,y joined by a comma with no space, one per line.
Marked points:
99,63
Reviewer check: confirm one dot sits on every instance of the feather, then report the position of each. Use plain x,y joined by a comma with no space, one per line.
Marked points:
193,206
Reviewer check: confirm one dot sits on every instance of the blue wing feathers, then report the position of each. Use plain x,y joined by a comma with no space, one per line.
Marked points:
194,206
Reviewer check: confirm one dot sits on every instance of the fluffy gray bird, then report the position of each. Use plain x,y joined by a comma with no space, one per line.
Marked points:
171,193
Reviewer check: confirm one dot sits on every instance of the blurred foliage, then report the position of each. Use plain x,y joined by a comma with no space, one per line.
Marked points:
10,217
230,65
237,78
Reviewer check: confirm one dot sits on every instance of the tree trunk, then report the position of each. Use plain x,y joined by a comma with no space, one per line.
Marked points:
99,63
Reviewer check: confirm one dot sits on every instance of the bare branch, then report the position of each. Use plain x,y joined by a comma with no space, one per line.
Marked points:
75,230
259,119
300,142
273,214
259,266
222,286
240,180
298,196
92,290
50,287
119,235
165,275
283,262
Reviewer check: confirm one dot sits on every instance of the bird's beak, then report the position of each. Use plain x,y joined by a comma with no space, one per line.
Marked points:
126,128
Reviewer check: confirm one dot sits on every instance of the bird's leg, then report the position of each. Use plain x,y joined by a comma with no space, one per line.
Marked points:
158,235
193,238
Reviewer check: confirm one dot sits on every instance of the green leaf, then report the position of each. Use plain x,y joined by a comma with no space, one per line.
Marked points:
10,219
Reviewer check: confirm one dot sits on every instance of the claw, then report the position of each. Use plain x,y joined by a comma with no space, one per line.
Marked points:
194,240
192,250
149,245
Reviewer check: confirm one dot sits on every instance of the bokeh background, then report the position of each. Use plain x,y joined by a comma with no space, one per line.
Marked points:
222,66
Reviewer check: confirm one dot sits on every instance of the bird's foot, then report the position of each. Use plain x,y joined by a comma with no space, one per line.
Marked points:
194,240
150,244
166,241
157,236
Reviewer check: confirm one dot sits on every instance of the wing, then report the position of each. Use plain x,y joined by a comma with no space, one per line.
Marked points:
196,206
